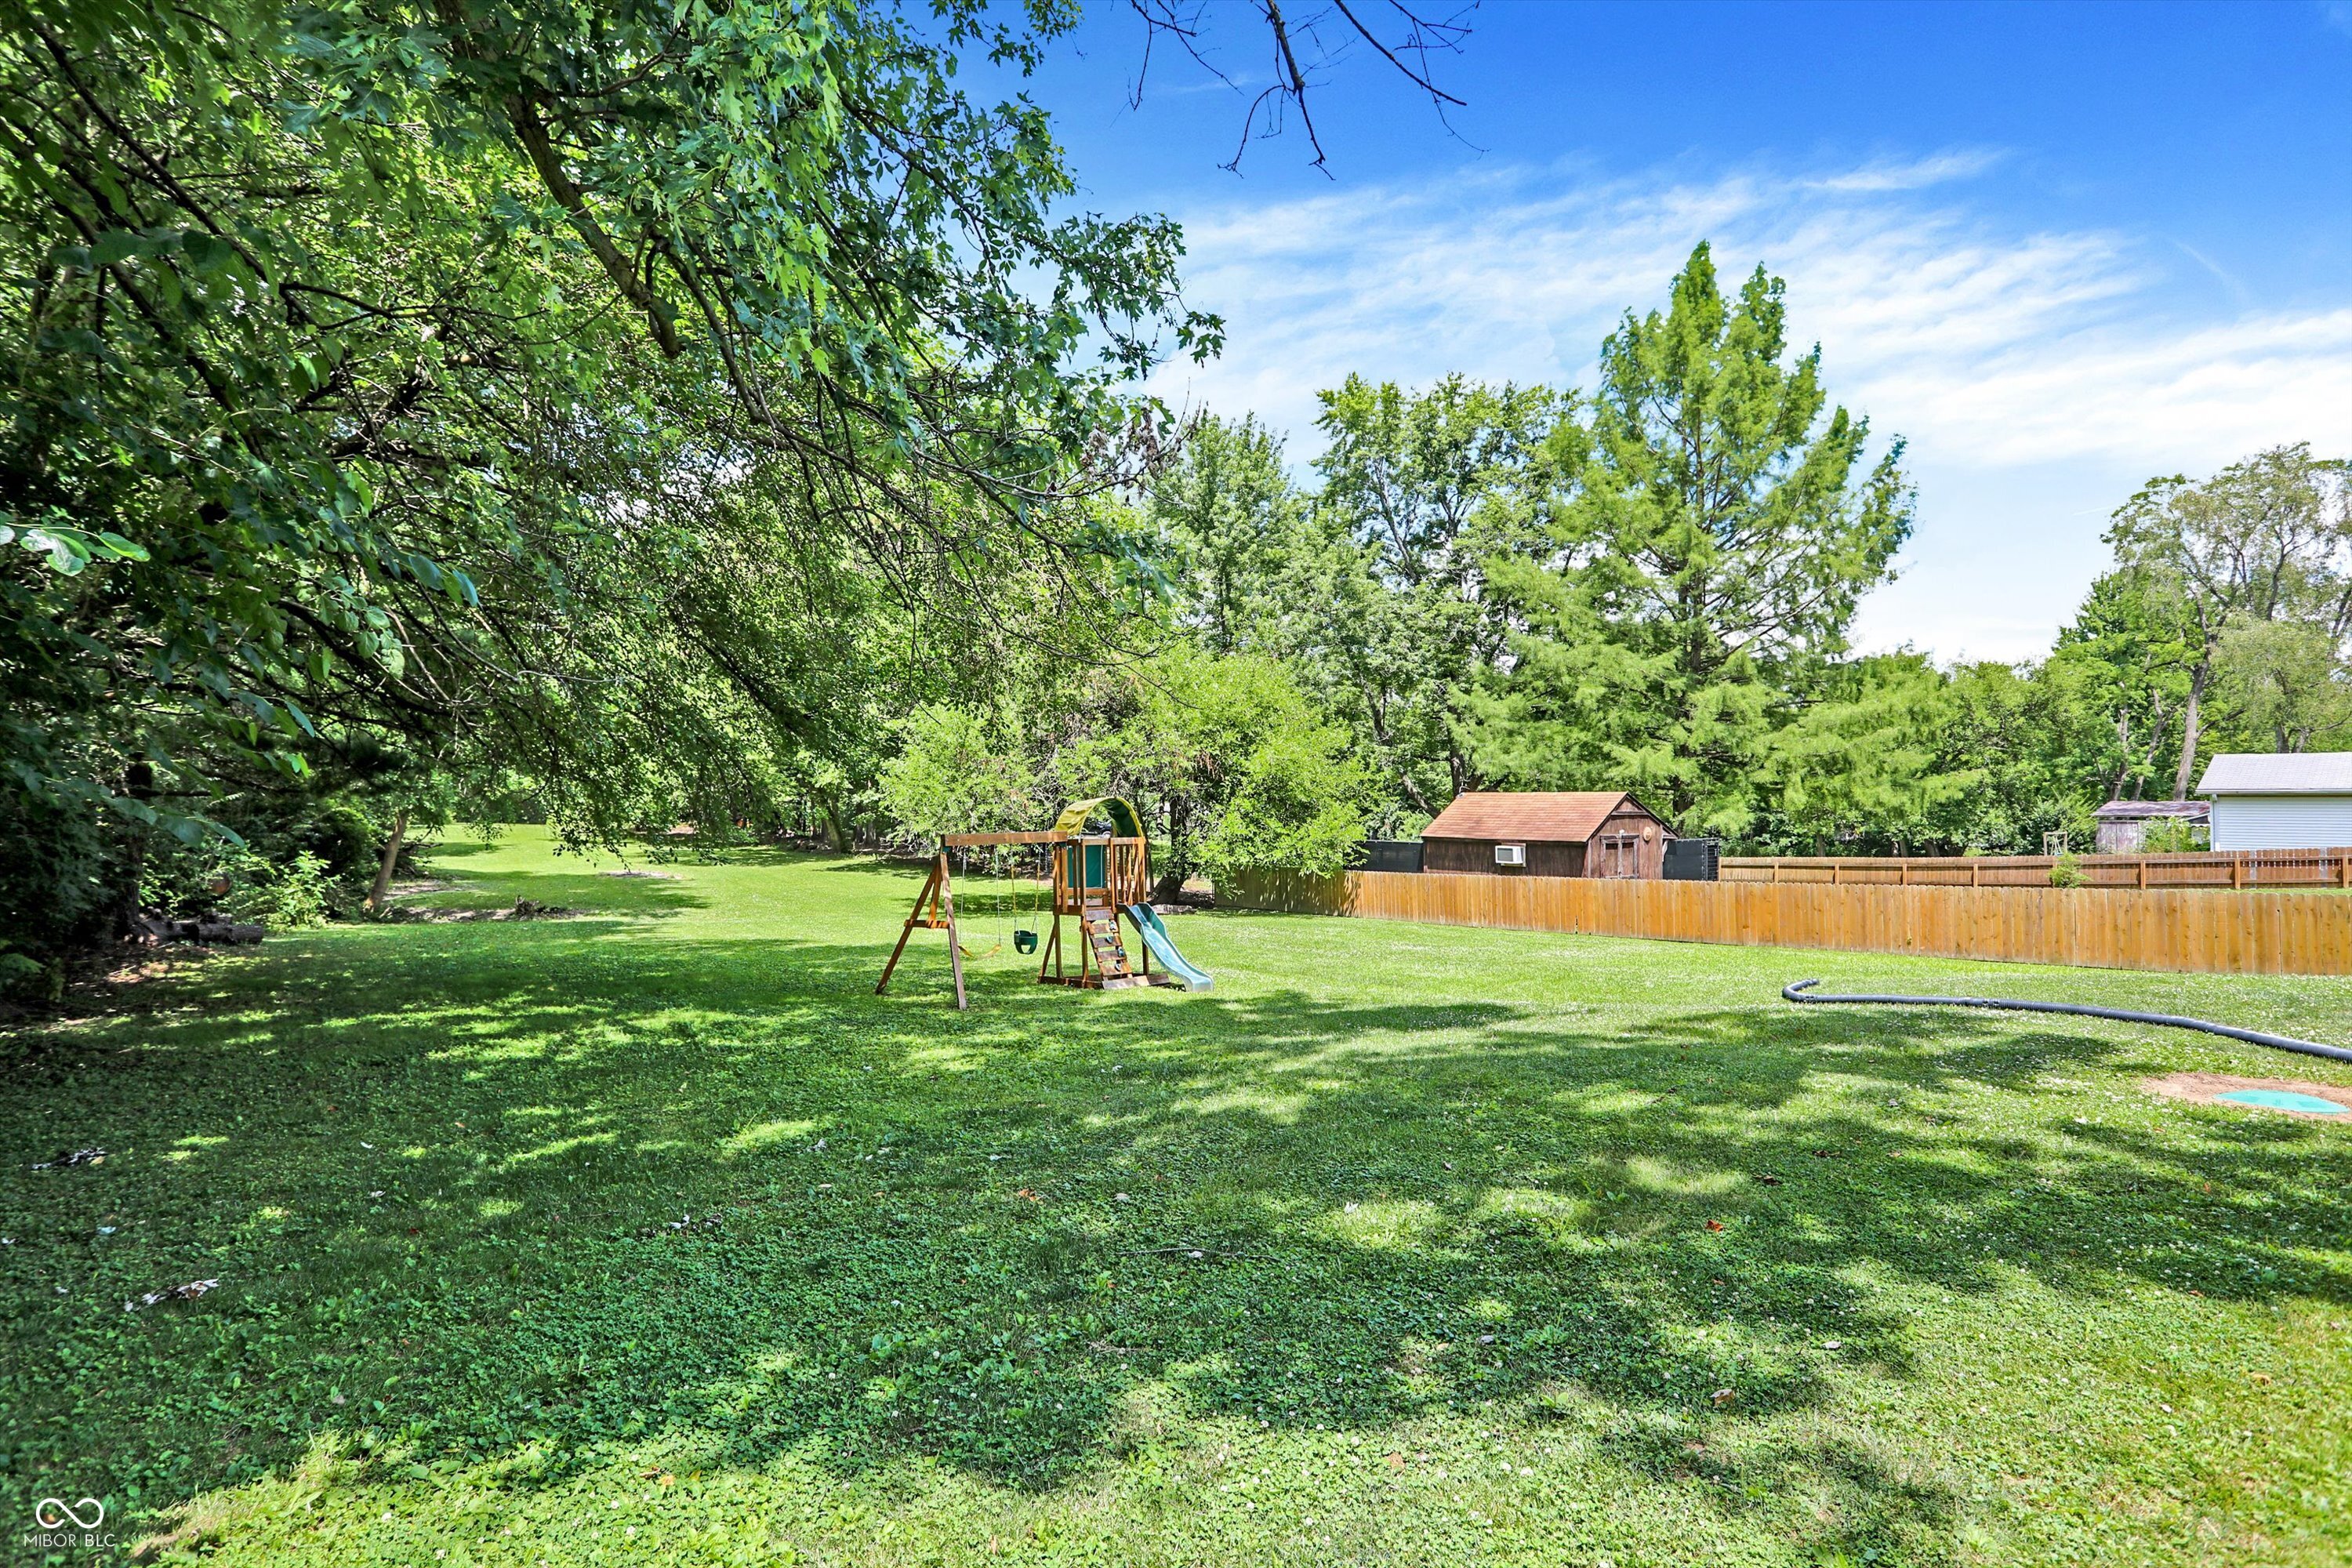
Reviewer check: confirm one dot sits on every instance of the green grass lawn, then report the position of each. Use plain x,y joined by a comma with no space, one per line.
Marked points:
653,1235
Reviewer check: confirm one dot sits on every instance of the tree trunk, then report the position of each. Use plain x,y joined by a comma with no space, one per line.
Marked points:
2155,740
1179,841
1457,767
377,894
2188,727
836,826
139,784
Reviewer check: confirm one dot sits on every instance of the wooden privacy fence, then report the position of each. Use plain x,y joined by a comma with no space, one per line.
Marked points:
2201,869
2247,932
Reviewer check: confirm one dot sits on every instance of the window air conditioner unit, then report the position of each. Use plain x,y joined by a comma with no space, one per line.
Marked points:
1510,854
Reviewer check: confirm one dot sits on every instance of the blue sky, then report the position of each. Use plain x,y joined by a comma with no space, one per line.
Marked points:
2058,248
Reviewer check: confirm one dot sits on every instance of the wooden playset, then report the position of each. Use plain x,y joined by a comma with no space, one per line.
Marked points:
1096,878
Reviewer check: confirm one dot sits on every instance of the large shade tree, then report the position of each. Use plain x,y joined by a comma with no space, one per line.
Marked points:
363,359
1231,530
1421,490
2268,538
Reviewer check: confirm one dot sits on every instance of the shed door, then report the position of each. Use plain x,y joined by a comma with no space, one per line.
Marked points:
1621,854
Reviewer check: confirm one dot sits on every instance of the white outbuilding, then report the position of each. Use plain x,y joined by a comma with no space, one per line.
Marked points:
2280,800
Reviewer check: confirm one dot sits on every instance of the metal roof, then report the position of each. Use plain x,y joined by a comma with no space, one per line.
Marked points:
1567,817
2135,810
2278,772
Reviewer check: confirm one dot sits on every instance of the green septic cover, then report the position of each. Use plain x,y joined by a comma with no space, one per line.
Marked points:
1124,823
2282,1099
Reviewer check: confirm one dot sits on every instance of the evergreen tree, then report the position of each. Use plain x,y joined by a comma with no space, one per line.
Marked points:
1706,565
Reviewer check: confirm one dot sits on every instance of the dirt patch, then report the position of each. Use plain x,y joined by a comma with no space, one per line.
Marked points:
145,969
2204,1088
524,910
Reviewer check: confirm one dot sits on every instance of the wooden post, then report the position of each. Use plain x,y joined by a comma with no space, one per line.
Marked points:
940,898
2237,872
955,942
1143,888
1053,953
908,930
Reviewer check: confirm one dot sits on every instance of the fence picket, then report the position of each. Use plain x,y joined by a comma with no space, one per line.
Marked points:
2329,868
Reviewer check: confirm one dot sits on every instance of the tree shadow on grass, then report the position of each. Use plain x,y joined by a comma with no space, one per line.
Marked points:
455,848
630,892
520,1192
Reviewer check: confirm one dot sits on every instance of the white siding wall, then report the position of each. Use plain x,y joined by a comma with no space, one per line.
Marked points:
2282,821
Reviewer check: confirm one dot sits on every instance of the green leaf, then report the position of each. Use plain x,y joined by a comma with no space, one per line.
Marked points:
204,252
67,554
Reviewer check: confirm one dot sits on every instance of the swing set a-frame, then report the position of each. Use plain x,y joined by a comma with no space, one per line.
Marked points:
1096,878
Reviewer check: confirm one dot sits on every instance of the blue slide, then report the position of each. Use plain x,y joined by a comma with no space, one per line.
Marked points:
1154,931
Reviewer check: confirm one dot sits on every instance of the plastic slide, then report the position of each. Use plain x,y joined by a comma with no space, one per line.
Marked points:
1154,931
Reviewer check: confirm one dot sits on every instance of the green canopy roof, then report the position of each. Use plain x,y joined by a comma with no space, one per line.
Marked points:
1124,823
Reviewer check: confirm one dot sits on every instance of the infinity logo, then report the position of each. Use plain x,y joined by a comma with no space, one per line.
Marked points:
51,1513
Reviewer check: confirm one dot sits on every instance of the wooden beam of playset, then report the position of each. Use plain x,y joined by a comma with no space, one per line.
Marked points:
984,840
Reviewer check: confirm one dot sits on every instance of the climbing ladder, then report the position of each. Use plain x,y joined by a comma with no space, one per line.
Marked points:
1110,951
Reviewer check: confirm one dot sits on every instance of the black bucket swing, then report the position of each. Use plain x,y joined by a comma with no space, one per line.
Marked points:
1024,923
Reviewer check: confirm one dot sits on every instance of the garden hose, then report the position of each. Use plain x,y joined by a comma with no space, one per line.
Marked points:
1800,991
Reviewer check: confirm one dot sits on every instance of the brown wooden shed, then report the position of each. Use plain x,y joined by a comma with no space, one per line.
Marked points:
1574,833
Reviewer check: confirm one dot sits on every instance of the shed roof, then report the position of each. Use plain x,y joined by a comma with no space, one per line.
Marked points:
2278,772
1566,816
2139,810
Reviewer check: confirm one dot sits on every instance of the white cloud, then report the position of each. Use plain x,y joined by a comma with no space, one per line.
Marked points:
1990,349
1912,175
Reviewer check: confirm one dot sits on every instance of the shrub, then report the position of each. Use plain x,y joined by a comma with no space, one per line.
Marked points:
287,897
342,836
58,863
2067,872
